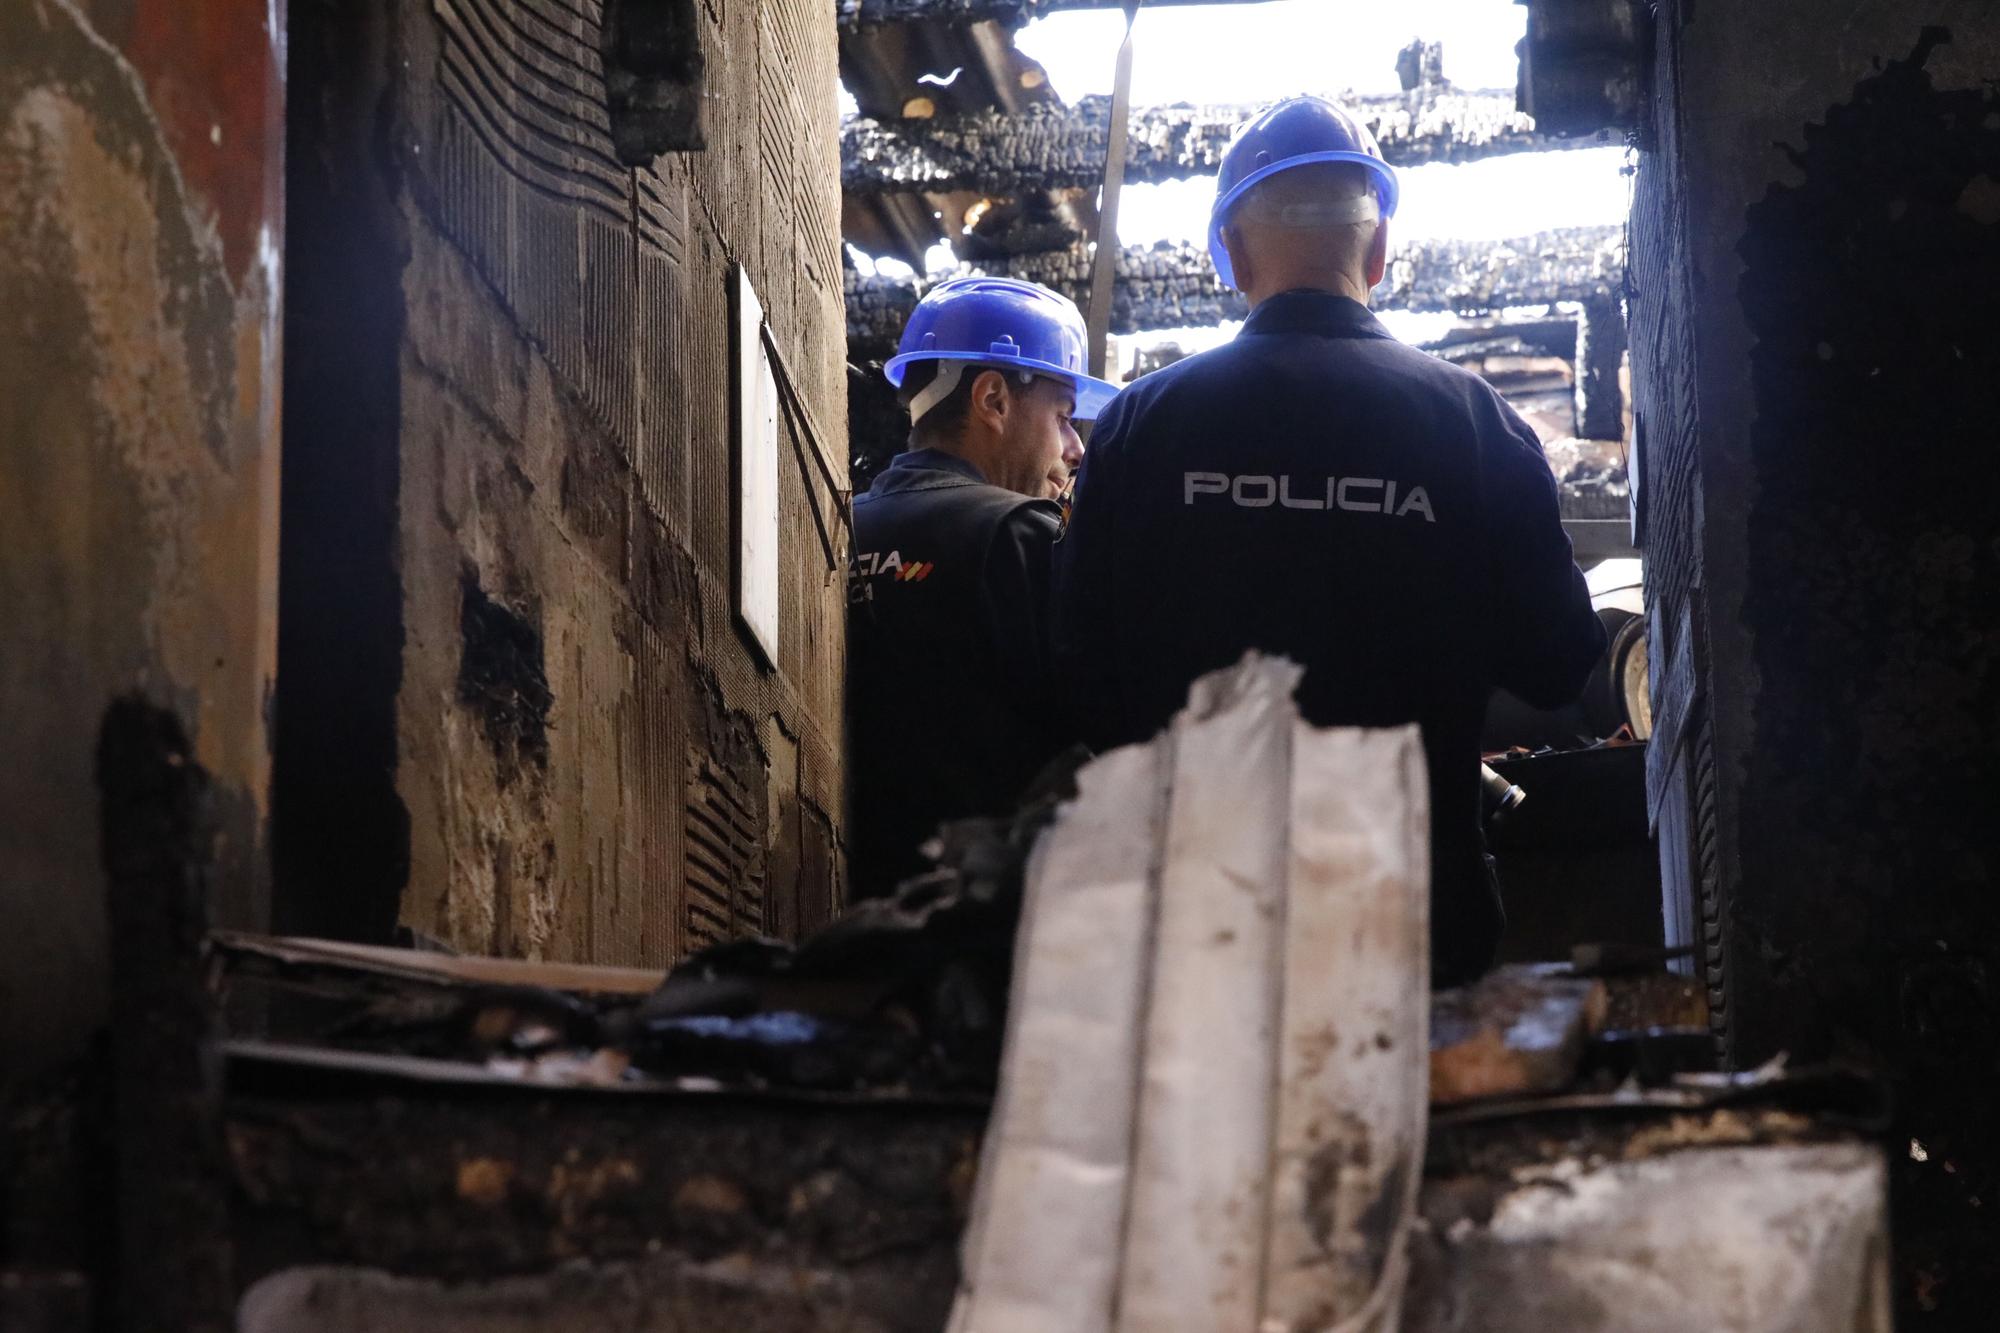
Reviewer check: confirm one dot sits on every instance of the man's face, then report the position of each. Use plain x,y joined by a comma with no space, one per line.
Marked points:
1041,440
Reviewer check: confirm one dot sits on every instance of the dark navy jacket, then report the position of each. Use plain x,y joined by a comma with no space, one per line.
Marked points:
1317,490
951,711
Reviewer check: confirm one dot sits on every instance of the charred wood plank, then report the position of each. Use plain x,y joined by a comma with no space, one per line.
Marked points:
855,14
1175,286
1058,147
430,1179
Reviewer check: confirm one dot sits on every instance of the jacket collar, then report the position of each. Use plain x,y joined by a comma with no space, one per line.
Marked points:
1308,311
918,466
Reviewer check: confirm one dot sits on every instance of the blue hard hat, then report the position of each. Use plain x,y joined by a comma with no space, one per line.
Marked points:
1006,324
1294,133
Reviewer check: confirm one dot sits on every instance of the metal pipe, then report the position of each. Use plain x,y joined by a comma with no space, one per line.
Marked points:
1499,797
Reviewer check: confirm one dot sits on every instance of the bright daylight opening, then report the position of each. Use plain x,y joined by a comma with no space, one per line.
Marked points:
1505,258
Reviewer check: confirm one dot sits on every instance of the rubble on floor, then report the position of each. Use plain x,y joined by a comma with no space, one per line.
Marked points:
779,1138
1746,1204
450,1187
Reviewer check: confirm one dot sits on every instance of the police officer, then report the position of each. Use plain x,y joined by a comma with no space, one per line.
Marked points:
951,699
1318,490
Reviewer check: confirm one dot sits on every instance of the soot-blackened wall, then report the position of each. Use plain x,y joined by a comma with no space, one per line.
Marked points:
140,227
516,710
1817,243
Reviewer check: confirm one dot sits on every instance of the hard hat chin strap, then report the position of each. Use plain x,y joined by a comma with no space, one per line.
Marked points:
948,376
1317,214
949,373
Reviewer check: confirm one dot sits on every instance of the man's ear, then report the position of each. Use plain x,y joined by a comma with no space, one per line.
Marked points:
1378,255
1239,257
990,399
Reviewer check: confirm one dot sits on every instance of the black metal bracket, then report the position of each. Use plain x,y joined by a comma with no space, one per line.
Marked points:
1586,66
654,78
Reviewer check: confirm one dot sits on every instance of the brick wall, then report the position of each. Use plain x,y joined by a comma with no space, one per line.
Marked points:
584,759
1667,508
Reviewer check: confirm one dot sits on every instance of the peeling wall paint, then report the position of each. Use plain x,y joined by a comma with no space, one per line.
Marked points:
138,470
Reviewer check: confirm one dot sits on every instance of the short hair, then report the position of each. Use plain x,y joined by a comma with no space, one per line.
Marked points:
944,421
1315,199
948,417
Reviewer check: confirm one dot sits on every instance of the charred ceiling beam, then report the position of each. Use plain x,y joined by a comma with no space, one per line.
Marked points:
1050,146
1474,277
1158,287
853,14
973,68
1175,286
1549,336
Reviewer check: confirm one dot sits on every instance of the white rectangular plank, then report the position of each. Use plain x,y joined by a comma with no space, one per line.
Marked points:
1353,1050
1042,1250
1194,1234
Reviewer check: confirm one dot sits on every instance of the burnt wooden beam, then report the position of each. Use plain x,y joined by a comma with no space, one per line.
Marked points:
1474,277
855,14
1600,353
1552,336
1062,147
1164,286
1175,286
824,1214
